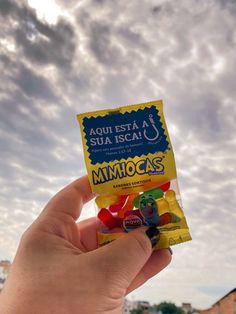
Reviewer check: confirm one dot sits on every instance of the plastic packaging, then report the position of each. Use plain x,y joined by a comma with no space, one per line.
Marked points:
131,168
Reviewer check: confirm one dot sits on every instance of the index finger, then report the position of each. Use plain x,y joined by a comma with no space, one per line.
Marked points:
71,199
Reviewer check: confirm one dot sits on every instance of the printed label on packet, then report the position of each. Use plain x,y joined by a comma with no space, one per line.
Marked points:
127,149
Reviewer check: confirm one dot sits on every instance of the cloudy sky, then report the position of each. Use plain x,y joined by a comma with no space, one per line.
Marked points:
60,58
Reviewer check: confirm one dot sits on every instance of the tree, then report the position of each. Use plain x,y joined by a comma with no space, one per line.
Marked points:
169,308
137,311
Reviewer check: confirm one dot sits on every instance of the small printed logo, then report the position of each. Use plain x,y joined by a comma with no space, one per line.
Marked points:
131,222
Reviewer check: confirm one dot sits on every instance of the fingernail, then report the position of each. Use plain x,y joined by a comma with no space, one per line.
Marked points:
170,250
153,234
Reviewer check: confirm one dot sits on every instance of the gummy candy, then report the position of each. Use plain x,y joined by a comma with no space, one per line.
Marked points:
163,206
104,201
114,208
156,213
128,205
164,219
108,219
148,209
173,203
154,193
167,218
165,187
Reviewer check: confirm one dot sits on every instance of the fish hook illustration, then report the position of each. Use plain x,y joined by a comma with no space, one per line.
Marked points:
154,127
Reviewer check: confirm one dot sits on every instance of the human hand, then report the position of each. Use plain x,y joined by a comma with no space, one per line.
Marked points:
59,269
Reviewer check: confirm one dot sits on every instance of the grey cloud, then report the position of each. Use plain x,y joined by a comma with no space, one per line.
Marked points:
156,9
202,119
203,114
99,1
67,4
132,37
47,45
228,4
6,7
40,42
112,45
21,124
33,85
6,63
31,142
102,45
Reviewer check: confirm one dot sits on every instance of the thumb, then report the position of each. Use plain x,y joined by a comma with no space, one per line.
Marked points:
122,259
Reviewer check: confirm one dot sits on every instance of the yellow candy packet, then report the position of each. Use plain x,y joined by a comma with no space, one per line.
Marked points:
131,167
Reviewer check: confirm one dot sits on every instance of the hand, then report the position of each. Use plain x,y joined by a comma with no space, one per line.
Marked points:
59,269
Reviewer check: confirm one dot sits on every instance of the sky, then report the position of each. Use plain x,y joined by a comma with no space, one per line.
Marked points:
60,58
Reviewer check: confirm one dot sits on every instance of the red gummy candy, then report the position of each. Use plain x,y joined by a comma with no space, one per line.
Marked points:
116,207
108,219
164,219
165,187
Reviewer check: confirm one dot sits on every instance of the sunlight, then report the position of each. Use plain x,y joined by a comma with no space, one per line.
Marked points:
46,10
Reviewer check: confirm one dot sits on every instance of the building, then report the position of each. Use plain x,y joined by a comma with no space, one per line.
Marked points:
187,308
225,305
136,305
4,270
129,306
144,306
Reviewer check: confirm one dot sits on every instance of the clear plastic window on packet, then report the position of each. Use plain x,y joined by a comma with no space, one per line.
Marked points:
131,166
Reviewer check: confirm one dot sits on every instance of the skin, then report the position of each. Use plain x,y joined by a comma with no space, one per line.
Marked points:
59,269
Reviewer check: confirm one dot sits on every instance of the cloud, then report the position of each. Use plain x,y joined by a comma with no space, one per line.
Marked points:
33,85
47,45
41,43
6,7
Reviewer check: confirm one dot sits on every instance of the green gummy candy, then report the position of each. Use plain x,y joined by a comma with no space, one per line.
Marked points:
155,193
